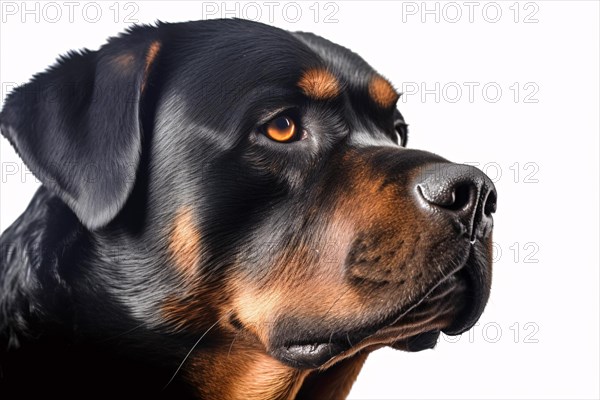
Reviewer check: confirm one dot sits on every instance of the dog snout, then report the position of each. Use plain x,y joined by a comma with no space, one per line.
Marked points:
461,192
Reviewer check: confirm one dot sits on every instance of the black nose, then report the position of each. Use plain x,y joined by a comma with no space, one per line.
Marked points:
462,192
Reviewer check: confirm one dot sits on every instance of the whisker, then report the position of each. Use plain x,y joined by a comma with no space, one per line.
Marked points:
336,300
122,333
192,349
231,345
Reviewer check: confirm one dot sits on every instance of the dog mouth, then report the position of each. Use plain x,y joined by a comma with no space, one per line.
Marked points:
452,306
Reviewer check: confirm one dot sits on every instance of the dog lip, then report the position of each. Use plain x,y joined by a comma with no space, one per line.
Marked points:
477,292
312,355
422,341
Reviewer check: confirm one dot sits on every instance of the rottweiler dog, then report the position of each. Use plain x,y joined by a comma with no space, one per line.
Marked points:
228,211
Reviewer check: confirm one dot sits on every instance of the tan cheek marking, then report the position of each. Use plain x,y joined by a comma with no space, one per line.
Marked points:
184,244
319,84
258,311
382,92
150,57
259,308
319,266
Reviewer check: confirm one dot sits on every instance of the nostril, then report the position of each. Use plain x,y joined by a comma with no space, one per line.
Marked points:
490,203
448,196
461,196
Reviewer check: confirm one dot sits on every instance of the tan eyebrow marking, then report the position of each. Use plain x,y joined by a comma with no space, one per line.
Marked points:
382,92
150,57
319,84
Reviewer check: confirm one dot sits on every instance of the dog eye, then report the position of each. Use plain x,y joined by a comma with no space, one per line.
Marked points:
281,129
401,133
401,128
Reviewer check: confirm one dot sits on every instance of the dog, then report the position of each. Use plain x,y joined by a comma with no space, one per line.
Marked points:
228,210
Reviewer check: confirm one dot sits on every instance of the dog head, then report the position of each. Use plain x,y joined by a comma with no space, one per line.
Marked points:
259,187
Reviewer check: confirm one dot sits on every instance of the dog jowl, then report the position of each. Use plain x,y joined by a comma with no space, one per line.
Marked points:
254,225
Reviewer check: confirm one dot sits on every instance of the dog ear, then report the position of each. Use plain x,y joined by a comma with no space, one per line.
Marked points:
77,125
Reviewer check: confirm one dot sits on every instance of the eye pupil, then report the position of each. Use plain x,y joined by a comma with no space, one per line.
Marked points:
282,123
281,129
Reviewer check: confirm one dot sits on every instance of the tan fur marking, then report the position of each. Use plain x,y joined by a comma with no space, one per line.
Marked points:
319,84
187,312
241,370
333,383
382,92
150,57
184,244
124,61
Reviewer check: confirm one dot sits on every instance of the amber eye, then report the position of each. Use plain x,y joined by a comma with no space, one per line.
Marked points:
281,129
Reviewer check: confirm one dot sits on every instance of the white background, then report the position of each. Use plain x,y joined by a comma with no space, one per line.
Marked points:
538,337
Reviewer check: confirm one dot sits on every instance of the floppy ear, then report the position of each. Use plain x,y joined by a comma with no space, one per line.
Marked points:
77,125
